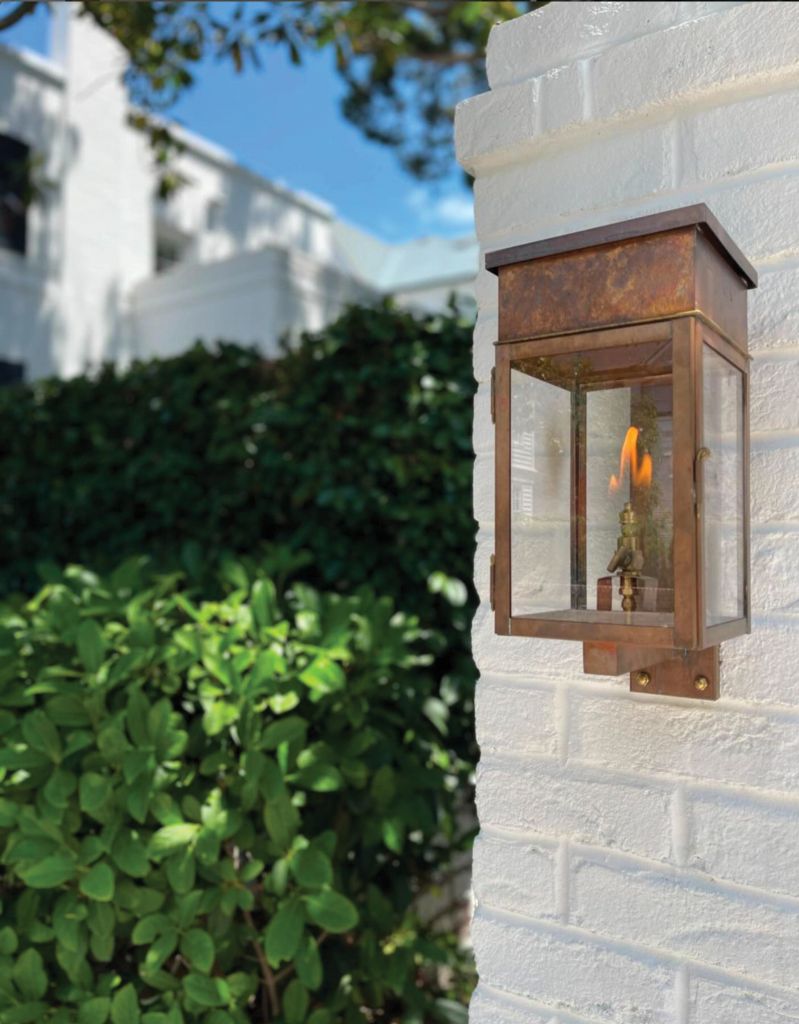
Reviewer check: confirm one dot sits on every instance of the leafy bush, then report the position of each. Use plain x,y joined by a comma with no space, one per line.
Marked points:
355,447
220,810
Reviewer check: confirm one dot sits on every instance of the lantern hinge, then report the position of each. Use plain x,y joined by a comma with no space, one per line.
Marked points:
492,586
493,395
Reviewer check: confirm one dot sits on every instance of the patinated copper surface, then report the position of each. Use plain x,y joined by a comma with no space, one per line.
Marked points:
720,294
601,658
698,215
695,674
625,282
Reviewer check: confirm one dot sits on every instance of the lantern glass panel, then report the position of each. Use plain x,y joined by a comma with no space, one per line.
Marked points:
723,546
591,441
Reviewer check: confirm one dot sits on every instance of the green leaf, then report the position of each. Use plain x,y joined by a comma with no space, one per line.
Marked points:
163,947
323,676
148,927
180,871
67,711
242,985
263,602
437,712
308,964
94,792
29,974
321,1016
68,925
282,820
281,703
251,871
205,991
125,1006
98,883
136,763
272,780
59,787
138,712
384,785
49,873
284,932
130,855
188,908
320,778
279,876
198,948
8,941
312,868
138,799
171,838
101,918
8,813
102,947
40,733
393,830
94,1011
453,590
219,715
285,730
331,911
91,646
263,677
26,1013
295,1002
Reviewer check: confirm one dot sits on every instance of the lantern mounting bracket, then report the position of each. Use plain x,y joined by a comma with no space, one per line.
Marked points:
658,670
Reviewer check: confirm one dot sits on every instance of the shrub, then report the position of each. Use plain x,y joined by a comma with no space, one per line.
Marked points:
355,447
221,810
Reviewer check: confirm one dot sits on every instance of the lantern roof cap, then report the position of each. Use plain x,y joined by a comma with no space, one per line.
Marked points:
669,220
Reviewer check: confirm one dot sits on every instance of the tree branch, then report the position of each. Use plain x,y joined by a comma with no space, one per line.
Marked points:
20,11
289,969
266,970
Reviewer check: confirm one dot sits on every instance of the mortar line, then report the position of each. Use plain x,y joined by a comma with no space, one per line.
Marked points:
635,951
622,861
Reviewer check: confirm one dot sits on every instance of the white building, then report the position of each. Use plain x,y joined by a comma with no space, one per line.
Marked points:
95,269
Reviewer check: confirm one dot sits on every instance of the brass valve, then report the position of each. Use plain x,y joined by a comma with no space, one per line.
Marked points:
629,558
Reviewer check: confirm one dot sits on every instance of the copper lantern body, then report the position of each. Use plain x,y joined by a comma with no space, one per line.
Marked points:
620,398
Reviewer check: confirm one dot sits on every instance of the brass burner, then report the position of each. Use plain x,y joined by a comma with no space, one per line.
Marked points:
628,560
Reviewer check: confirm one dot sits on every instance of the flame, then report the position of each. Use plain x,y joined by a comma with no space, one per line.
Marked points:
640,476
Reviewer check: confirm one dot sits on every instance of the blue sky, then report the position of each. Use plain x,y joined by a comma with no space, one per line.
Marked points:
284,122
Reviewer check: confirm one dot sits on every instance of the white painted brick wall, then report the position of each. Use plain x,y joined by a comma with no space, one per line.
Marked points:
639,857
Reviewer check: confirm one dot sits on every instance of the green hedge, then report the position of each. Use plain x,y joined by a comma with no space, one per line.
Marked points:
355,447
221,810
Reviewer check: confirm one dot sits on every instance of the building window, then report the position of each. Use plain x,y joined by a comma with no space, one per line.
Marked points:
213,214
11,373
14,193
171,248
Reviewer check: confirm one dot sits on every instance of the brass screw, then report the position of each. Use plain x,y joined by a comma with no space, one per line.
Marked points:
701,683
643,678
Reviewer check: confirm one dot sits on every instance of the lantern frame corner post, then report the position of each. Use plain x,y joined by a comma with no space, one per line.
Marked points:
707,337
501,568
686,554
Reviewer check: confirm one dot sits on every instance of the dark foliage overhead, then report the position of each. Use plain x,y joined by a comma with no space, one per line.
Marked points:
405,64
